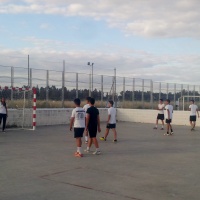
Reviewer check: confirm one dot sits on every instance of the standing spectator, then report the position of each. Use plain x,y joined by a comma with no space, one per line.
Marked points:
193,110
3,113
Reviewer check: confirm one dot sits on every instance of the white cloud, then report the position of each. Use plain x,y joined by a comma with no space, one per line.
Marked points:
149,18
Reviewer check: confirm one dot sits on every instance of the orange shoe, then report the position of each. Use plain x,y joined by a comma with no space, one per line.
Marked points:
77,154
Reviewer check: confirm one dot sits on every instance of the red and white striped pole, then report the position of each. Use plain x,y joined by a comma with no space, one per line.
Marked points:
34,108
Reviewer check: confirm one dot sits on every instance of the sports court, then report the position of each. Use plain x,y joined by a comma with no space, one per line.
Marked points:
143,165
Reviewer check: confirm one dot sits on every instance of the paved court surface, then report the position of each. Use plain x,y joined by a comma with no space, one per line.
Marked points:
143,165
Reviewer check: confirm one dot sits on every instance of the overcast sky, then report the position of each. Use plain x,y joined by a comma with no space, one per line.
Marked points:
153,39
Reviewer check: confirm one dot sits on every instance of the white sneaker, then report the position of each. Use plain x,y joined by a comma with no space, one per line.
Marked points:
97,153
87,150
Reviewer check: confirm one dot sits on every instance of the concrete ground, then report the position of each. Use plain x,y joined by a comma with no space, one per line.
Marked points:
143,165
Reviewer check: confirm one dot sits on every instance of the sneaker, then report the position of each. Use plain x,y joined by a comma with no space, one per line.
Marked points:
77,154
166,134
114,140
162,129
97,153
154,127
3,131
102,138
192,129
172,133
87,150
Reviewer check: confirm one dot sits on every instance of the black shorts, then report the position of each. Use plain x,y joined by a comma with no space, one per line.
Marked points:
193,118
111,126
160,116
78,132
92,132
168,121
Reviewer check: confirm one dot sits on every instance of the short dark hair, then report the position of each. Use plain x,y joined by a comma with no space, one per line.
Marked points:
192,100
77,101
88,98
111,102
92,101
161,99
168,100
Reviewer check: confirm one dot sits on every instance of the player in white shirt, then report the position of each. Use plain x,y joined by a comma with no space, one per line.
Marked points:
168,116
193,117
85,107
111,122
160,115
78,120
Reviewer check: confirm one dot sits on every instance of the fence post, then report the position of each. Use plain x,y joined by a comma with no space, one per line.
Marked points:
47,87
101,90
151,95
160,90
143,93
63,84
194,90
167,90
124,90
181,90
133,92
31,78
12,82
174,94
76,85
90,85
188,92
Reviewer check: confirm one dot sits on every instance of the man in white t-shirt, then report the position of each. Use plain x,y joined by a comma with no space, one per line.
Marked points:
160,115
193,110
78,120
111,122
85,107
168,116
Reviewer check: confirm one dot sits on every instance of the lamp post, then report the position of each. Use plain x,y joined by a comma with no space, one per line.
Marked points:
91,79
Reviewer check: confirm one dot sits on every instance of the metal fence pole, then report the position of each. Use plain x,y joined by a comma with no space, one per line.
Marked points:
76,85
101,90
151,94
63,84
115,88
167,90
31,78
12,82
188,92
194,90
143,93
181,90
90,84
174,94
160,90
133,92
124,90
47,86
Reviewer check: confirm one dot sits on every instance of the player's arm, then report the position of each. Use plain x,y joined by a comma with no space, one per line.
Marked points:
197,112
71,122
87,121
98,124
109,116
168,114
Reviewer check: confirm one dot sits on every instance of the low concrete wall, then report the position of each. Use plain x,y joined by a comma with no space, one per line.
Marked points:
45,116
62,116
149,116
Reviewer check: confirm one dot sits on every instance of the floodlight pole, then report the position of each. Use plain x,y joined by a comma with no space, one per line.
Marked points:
28,73
91,79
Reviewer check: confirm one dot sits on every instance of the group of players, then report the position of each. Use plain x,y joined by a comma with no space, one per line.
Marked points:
169,114
87,120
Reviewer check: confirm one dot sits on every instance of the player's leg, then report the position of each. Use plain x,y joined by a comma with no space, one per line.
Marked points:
170,126
0,118
86,136
97,152
156,126
4,122
106,133
167,126
115,134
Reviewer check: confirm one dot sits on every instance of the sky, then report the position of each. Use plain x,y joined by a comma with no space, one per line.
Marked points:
150,39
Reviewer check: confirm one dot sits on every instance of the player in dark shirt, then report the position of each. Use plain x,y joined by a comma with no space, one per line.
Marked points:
93,125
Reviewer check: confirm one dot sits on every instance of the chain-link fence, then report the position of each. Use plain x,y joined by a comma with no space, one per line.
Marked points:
58,88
